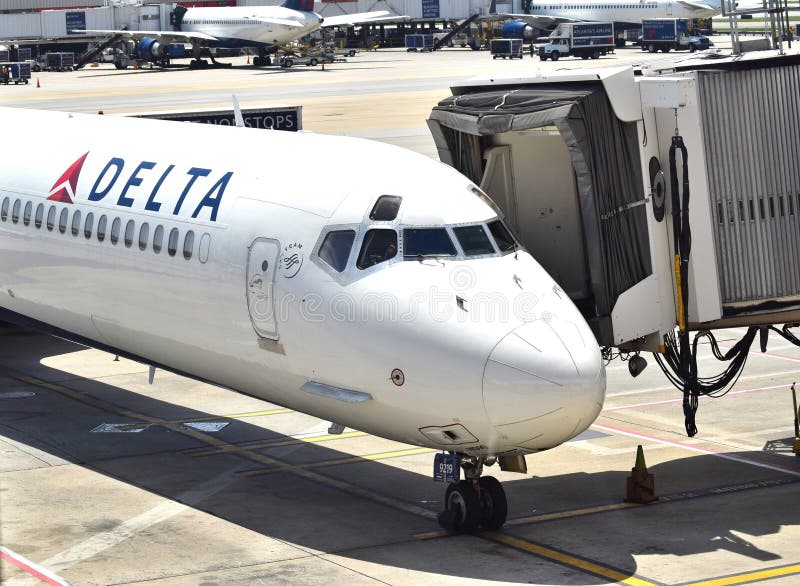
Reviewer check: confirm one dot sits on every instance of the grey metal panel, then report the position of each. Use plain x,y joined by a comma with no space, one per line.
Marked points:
751,130
45,4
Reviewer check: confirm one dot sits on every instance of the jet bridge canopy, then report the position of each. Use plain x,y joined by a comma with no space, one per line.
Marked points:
560,164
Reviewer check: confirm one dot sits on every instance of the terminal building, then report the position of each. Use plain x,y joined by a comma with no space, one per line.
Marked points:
53,19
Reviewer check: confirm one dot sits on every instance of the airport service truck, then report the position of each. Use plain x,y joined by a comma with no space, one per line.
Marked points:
584,40
664,34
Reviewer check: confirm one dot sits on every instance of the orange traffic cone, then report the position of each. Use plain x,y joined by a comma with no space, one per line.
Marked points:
37,83
641,484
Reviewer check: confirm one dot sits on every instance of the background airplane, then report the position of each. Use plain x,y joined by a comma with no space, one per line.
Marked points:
623,13
264,28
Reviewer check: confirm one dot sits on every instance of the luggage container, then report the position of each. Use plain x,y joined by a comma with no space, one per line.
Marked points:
418,42
506,48
15,73
60,61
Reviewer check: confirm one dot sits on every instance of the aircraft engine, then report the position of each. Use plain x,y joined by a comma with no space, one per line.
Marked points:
151,49
519,29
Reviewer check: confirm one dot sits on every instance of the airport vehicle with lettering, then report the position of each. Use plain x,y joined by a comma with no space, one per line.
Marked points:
585,40
665,34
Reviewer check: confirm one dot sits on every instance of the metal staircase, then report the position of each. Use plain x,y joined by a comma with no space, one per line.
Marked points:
439,43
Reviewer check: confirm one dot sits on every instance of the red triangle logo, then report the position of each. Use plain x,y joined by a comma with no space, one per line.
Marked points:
63,189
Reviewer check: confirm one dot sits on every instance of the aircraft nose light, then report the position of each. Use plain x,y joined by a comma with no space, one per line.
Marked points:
541,368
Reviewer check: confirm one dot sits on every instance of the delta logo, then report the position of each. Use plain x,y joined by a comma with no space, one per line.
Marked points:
63,189
201,189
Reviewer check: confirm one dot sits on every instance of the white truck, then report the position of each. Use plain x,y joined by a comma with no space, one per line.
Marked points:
664,34
579,39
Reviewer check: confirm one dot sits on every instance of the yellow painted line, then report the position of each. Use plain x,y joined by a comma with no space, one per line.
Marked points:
340,461
566,559
278,443
542,518
214,442
569,514
257,413
234,416
751,576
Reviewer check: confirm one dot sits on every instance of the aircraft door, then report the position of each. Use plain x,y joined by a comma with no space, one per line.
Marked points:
262,260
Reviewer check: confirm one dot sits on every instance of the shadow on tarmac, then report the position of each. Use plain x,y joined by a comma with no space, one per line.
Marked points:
316,515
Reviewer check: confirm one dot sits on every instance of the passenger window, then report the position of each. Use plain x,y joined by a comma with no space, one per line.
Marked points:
204,249
15,211
62,220
386,208
144,235
130,227
379,245
51,218
158,238
422,242
88,226
76,223
116,225
26,215
336,247
188,245
505,241
39,215
4,209
172,244
102,224
473,240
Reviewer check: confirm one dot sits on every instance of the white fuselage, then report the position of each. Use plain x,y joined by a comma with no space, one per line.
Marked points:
250,26
210,262
622,11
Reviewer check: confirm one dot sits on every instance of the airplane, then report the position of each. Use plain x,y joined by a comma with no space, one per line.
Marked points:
264,28
381,292
623,13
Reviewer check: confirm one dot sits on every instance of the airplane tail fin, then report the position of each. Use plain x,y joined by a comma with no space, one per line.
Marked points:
301,5
493,7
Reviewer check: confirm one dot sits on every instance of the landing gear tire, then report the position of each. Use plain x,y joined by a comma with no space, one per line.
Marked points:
462,508
257,62
494,505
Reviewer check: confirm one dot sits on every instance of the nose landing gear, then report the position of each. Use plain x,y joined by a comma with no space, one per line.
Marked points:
475,502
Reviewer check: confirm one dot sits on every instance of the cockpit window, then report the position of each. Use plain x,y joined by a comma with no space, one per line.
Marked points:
505,241
379,245
473,240
386,208
422,242
335,249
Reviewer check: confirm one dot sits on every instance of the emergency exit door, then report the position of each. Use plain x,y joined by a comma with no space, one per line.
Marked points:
262,260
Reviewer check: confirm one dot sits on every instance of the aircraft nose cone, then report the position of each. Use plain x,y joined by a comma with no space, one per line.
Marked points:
544,383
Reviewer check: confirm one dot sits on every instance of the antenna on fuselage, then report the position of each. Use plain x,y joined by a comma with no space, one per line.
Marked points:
237,112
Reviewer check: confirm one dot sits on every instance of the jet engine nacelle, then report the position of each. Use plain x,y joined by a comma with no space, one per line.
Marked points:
519,29
151,49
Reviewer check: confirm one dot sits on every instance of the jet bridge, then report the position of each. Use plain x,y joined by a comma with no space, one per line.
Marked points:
663,200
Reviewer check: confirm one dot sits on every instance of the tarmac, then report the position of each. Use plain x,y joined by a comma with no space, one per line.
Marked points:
107,479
